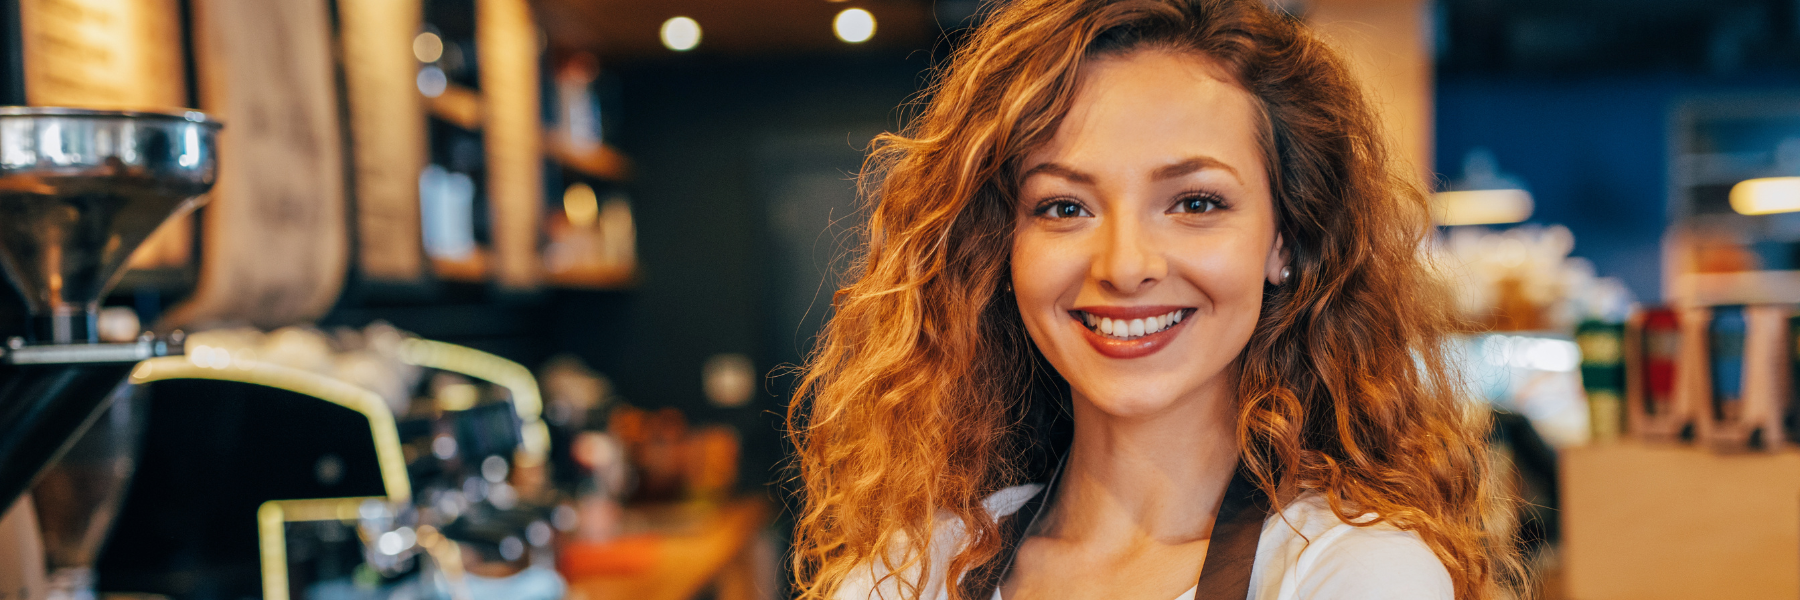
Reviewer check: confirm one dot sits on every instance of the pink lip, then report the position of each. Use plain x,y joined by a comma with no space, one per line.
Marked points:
1137,347
1129,312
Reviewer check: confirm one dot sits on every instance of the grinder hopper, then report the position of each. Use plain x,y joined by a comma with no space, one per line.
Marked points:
79,191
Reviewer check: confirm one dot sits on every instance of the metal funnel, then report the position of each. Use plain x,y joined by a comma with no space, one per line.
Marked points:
79,191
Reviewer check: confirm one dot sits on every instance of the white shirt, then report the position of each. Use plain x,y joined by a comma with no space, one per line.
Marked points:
1341,561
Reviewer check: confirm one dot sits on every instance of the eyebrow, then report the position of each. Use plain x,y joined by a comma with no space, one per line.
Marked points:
1185,167
1051,168
1191,165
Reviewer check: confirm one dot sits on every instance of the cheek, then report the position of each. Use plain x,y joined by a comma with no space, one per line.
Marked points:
1227,273
1043,273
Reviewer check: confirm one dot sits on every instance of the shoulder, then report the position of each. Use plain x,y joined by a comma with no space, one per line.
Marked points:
1308,552
873,581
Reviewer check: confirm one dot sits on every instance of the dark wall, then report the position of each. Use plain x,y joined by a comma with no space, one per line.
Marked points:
722,150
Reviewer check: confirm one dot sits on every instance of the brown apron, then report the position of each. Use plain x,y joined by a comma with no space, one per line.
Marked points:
1229,556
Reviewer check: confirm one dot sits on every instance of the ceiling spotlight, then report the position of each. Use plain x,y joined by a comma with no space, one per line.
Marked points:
854,25
680,34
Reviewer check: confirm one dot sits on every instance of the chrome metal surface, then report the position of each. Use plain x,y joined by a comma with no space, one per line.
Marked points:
80,190
60,111
54,354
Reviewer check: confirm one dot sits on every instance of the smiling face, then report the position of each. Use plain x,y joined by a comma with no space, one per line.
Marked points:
1145,234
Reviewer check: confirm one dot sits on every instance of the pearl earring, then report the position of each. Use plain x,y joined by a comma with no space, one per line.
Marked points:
1285,274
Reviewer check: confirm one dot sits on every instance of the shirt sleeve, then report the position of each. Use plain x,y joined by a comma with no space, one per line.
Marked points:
1367,563
871,581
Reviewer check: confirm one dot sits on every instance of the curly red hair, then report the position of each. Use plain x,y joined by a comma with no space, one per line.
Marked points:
919,398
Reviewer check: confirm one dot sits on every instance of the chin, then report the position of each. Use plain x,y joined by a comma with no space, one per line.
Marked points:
1128,397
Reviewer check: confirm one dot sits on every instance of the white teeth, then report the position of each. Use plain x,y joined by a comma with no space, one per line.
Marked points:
1121,328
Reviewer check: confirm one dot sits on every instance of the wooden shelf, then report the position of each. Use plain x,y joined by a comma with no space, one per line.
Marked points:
473,269
618,278
602,161
459,105
476,269
464,107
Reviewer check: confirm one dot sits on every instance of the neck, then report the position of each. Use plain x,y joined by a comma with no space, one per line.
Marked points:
1141,478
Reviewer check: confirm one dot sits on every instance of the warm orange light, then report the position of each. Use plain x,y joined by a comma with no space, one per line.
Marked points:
1481,207
581,205
1766,196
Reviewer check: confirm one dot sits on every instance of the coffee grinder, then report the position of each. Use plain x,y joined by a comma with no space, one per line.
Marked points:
79,191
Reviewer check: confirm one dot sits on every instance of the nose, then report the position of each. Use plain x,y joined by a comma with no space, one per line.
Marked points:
1127,260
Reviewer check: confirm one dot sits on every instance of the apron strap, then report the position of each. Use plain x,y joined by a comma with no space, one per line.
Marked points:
1230,554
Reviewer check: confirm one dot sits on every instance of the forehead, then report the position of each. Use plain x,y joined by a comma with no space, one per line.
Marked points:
1149,108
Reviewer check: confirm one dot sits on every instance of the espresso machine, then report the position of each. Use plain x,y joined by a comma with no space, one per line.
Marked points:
79,191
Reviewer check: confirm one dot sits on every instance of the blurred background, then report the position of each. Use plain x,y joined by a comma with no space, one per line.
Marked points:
571,250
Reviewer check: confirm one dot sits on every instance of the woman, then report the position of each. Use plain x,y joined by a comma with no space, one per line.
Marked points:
1142,301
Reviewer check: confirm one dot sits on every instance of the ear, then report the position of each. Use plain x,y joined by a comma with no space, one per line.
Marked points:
1278,260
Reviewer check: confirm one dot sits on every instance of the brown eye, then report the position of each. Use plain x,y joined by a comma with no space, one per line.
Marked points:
1198,204
1061,209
